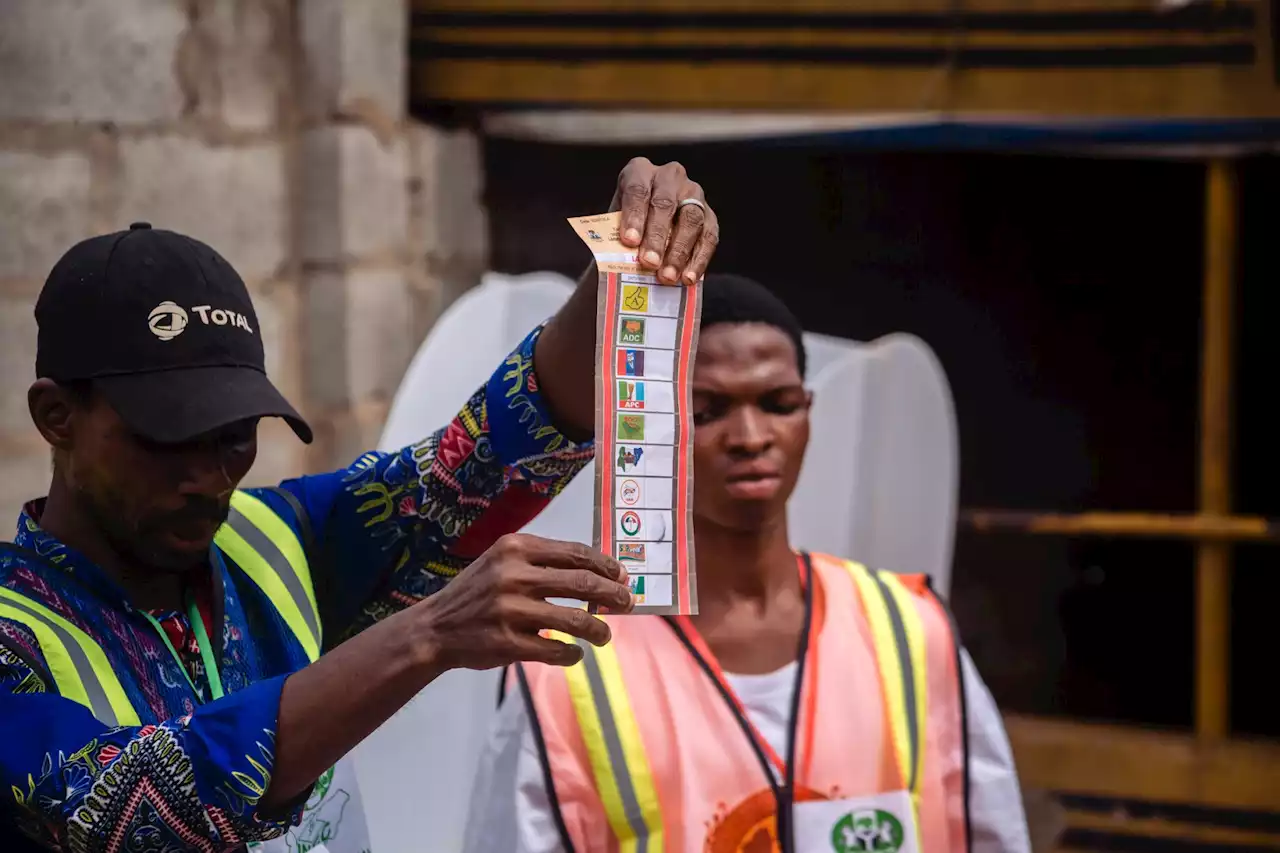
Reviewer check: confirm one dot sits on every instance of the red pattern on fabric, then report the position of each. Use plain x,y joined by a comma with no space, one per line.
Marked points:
148,792
513,509
441,473
455,445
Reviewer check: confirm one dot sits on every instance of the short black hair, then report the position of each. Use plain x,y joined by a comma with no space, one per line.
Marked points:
731,299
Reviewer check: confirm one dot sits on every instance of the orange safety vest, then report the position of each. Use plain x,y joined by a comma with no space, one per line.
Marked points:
645,748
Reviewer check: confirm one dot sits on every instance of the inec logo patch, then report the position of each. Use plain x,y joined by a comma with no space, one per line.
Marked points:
867,830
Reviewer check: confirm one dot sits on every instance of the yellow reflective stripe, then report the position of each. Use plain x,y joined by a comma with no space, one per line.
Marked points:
889,664
57,657
917,647
282,536
78,665
276,563
898,635
614,747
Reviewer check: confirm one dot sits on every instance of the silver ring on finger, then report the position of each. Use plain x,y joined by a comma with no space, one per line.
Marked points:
696,201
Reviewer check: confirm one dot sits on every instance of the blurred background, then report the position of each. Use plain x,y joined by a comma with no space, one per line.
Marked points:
1067,200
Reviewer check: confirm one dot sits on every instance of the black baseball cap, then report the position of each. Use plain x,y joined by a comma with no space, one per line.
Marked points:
162,326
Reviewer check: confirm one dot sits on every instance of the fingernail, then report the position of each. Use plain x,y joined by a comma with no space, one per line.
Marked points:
652,258
632,235
670,273
690,277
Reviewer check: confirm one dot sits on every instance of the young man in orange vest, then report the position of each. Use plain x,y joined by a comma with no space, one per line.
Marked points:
811,705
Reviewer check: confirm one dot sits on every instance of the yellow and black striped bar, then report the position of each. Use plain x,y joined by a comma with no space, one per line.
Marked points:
1213,59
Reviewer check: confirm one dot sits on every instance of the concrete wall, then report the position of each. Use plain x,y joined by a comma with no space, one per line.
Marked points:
275,130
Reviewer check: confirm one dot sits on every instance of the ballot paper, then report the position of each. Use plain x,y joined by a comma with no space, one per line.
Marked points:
646,337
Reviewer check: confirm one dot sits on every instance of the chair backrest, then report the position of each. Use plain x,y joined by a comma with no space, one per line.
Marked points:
879,486
881,476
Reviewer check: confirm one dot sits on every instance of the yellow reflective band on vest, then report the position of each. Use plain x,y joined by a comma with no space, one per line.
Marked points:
901,653
259,542
270,553
78,665
614,747
613,741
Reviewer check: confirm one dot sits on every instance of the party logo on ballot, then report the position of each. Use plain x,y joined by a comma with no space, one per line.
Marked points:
630,492
631,362
630,394
632,331
631,552
636,298
628,456
631,427
630,523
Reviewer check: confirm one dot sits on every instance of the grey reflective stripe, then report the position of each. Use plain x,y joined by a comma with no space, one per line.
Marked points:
613,745
267,550
908,674
98,703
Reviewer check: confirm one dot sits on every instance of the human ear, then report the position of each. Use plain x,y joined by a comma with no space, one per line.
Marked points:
54,412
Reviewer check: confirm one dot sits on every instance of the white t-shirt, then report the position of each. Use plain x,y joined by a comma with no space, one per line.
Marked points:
766,699
511,813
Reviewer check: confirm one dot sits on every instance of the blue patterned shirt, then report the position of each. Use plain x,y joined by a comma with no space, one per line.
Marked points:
385,532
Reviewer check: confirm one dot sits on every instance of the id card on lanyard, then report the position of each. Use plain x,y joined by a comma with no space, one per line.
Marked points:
333,819
883,823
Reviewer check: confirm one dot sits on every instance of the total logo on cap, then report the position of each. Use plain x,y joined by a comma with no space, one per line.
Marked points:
169,319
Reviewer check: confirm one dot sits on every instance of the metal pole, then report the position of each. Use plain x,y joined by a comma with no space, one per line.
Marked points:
1213,559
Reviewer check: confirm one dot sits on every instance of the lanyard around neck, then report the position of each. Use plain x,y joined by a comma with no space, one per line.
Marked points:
206,649
804,702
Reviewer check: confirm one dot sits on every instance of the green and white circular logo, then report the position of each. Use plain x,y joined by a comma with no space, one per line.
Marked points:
867,829
630,523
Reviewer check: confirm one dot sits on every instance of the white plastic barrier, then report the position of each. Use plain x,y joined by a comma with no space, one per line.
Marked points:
879,486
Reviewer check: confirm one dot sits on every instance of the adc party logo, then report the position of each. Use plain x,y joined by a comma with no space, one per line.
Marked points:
632,331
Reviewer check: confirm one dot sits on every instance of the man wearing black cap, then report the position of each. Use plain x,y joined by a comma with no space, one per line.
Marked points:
161,680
